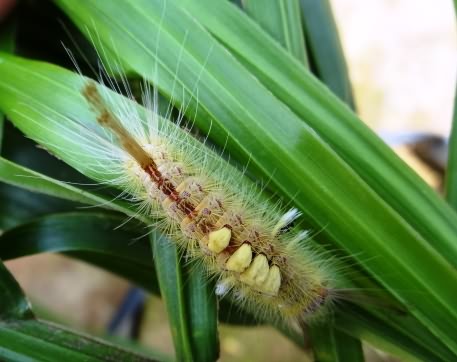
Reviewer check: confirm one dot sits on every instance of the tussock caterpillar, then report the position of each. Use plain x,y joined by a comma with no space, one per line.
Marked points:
205,204
212,211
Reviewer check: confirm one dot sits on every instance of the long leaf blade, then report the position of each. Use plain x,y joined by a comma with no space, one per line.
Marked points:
7,44
202,310
325,48
168,269
281,19
91,236
23,177
35,340
190,300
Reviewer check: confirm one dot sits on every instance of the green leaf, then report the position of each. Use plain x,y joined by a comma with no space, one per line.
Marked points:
281,19
2,121
91,236
391,332
451,171
95,232
325,48
19,205
25,178
16,175
20,149
331,345
371,204
13,303
202,307
169,274
190,300
7,35
35,340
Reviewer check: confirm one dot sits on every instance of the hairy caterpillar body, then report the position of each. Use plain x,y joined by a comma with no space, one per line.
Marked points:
241,238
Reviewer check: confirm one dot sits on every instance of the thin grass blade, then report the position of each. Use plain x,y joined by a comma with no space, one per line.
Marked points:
25,178
171,283
326,52
35,340
282,20
7,43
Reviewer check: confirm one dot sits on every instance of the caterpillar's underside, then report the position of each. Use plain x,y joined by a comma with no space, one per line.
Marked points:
209,210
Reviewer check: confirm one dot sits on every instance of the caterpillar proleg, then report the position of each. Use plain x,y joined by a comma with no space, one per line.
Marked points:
243,239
